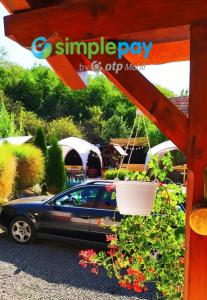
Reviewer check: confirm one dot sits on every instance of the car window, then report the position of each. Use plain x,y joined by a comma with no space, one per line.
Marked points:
81,197
107,200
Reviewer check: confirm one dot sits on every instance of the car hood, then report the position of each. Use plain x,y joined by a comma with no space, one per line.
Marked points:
29,200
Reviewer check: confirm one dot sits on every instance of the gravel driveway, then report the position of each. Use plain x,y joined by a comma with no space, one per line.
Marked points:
49,270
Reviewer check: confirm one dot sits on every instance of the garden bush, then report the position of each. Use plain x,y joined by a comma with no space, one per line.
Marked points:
30,165
113,173
29,121
63,128
7,173
55,169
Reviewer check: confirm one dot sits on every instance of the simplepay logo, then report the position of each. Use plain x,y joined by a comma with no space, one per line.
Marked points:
41,48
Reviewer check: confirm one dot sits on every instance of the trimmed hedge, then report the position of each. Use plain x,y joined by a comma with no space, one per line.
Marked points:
7,173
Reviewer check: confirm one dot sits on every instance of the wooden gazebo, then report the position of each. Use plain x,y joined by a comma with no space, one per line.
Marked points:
178,30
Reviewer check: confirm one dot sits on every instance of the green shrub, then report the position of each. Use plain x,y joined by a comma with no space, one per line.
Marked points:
30,165
112,174
29,122
55,169
7,173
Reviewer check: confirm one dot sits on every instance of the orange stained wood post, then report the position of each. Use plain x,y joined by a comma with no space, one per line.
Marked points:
196,245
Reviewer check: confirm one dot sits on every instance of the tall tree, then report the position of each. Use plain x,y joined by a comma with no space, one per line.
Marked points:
7,125
55,169
115,127
93,127
40,141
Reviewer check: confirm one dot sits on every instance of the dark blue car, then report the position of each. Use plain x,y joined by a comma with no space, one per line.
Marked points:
71,214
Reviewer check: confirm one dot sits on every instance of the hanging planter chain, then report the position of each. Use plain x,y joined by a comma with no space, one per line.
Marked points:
137,122
135,197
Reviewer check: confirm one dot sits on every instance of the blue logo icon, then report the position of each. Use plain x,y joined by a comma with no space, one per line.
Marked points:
46,50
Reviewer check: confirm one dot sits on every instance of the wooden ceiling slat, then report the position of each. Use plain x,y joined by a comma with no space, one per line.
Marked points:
172,34
93,19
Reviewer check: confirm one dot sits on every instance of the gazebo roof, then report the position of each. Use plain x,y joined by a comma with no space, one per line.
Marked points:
16,140
82,147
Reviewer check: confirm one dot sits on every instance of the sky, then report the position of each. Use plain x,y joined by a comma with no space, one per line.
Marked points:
174,76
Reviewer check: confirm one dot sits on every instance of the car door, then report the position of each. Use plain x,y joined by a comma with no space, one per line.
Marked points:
69,212
105,210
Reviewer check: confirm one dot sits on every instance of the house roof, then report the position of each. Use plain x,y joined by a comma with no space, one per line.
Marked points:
182,103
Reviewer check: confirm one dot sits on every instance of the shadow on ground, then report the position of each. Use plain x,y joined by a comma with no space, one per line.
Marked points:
58,262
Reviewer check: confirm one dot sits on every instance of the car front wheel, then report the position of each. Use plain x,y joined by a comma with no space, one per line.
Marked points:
22,230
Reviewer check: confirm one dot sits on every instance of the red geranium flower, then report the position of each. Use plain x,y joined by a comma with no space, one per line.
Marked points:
110,238
137,288
110,187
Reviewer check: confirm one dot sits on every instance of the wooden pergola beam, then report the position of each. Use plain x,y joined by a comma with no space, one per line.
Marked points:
163,53
148,99
14,6
97,18
67,71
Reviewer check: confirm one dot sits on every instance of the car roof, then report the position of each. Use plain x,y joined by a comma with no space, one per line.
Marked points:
100,182
92,183
85,184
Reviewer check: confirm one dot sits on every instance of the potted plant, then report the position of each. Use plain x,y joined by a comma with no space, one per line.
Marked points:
136,195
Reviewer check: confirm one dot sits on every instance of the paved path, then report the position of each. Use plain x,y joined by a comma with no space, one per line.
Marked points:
49,270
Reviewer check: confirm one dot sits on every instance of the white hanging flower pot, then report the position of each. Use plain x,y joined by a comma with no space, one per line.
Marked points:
135,197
